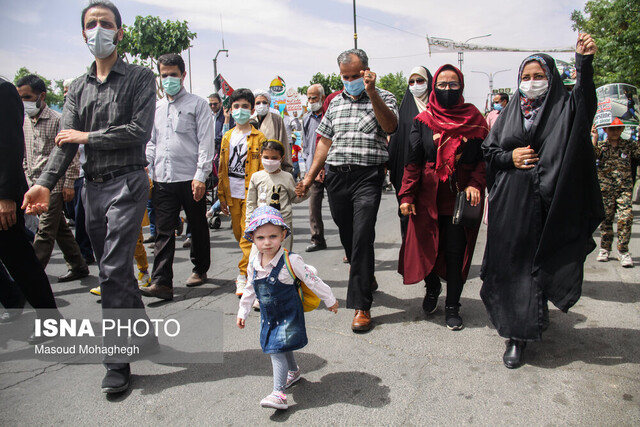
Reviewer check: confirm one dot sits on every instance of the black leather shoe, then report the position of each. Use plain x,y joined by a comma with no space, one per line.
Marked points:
10,315
116,380
316,247
74,275
514,354
158,291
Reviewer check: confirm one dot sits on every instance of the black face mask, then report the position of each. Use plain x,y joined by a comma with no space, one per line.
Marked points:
448,97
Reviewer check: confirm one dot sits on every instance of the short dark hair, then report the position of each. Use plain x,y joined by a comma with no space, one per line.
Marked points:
245,94
503,96
273,144
36,83
104,4
171,59
215,95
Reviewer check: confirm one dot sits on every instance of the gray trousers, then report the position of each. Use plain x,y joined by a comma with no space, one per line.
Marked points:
114,211
316,225
53,228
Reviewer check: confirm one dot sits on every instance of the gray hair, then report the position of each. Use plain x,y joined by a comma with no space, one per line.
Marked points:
319,87
345,57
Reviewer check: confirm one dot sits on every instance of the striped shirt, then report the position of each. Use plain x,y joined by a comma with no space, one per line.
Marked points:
39,140
118,114
357,138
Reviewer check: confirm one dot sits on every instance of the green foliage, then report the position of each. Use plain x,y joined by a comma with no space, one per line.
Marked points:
331,83
394,83
150,37
55,96
615,27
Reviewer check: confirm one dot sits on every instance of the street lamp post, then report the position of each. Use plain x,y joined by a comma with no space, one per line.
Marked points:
490,76
215,62
461,53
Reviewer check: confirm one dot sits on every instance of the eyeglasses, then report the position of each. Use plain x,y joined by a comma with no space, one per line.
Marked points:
450,85
419,81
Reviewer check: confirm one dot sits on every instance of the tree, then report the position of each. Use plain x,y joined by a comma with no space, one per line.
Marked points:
55,96
150,37
331,83
394,83
615,27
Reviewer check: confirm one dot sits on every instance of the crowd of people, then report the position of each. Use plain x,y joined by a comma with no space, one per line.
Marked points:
138,153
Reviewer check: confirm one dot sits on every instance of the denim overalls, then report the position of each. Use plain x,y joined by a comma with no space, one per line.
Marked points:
281,314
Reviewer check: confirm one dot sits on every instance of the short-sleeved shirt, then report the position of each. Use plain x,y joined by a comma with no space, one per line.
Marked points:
357,137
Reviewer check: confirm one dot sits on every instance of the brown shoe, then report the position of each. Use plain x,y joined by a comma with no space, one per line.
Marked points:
196,279
361,321
157,291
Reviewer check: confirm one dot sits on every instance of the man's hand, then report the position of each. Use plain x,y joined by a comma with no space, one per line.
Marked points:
36,200
71,136
303,187
369,80
7,214
67,194
197,188
320,176
586,45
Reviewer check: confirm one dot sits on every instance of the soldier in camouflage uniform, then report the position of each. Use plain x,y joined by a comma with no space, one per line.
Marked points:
614,156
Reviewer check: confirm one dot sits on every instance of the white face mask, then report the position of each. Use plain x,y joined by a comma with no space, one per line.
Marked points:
418,90
31,109
270,165
532,89
262,109
315,106
100,41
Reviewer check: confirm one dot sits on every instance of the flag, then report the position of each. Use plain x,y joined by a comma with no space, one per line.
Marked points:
223,89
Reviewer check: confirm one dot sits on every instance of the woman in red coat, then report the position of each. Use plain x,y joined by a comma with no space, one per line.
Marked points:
445,157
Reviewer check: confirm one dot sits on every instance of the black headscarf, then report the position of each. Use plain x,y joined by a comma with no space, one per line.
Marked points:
541,220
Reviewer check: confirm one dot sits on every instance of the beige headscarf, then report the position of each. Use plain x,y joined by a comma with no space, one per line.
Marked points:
421,102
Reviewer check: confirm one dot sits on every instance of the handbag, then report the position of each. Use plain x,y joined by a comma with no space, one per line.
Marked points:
463,213
310,301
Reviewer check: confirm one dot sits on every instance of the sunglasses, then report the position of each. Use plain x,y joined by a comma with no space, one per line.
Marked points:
419,81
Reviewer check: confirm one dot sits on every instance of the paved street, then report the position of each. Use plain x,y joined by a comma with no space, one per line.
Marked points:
409,370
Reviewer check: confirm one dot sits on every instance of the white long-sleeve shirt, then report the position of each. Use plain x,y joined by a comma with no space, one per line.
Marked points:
303,272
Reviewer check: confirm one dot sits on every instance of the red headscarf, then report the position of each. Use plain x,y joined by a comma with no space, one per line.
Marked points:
451,126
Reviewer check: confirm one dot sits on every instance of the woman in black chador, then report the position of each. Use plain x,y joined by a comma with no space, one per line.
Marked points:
544,199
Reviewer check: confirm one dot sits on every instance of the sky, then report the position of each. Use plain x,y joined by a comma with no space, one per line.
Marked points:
297,38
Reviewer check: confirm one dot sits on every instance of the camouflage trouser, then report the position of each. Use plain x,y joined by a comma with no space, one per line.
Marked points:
622,201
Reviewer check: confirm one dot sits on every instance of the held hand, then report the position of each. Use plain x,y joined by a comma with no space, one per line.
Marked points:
524,157
473,195
334,307
67,194
407,209
369,80
7,214
240,323
302,187
36,200
586,45
224,208
71,136
197,188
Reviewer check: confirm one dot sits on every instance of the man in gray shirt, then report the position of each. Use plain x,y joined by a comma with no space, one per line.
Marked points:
110,110
180,155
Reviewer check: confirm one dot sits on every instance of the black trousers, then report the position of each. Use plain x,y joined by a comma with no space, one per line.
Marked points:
18,256
168,199
453,241
354,199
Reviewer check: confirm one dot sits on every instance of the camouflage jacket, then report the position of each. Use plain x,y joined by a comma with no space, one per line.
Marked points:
614,164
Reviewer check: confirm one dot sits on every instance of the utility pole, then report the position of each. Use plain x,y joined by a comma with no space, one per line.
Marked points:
461,53
215,62
355,31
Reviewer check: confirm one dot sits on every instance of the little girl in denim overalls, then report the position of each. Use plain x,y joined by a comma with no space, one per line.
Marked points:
282,327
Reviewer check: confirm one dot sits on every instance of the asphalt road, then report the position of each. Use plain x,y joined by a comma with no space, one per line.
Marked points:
409,370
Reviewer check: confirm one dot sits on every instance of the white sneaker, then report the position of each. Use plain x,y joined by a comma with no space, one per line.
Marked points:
603,255
241,282
144,279
625,259
293,377
275,400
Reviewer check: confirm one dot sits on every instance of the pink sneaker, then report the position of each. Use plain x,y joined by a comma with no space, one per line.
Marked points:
292,378
275,400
